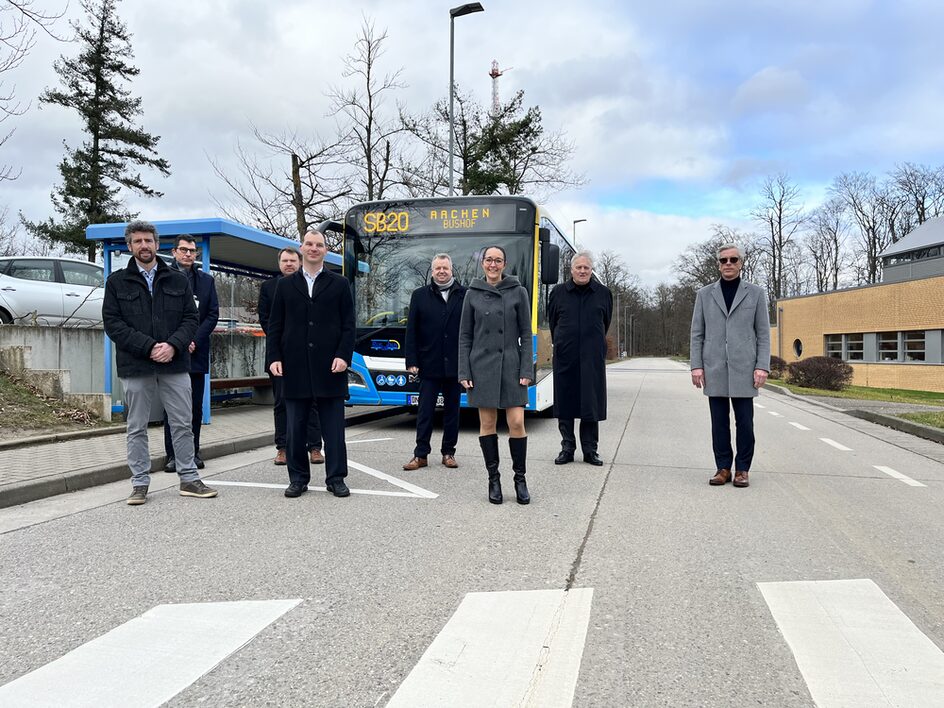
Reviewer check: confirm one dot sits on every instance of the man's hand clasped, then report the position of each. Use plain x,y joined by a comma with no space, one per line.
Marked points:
162,352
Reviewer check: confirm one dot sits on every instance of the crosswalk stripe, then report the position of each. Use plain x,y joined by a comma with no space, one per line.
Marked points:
148,660
854,646
503,649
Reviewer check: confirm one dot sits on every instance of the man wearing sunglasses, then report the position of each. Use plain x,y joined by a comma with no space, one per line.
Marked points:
208,309
730,360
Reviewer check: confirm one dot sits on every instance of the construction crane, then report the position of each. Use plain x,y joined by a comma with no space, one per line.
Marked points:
495,73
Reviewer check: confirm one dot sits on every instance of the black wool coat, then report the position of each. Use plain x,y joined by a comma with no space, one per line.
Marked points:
308,333
579,321
208,314
432,331
135,320
264,308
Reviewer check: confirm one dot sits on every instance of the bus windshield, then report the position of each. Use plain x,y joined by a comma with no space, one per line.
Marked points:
391,267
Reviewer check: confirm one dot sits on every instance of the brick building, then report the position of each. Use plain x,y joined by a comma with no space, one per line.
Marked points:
891,333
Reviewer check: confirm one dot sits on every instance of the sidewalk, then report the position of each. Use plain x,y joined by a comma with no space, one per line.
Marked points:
42,469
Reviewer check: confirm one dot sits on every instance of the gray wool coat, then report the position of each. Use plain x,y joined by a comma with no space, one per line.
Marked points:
730,345
495,346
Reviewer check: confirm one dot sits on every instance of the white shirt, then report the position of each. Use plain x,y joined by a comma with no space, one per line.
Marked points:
310,279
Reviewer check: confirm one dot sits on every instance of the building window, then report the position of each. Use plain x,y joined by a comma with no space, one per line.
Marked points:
798,348
855,347
914,346
888,346
834,345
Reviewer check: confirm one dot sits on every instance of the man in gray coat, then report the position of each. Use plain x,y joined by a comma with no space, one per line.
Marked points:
730,360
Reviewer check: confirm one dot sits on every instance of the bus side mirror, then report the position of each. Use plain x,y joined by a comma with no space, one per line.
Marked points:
550,263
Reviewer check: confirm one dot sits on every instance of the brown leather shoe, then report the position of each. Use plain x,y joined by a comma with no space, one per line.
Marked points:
415,463
722,476
315,457
450,461
740,479
280,458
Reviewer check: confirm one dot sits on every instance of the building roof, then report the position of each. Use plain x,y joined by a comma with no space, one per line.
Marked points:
930,233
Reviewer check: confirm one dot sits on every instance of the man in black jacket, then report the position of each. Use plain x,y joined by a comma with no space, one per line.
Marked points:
289,262
149,314
432,353
208,314
311,344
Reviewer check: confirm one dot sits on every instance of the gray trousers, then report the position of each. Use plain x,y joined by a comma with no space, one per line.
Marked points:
174,392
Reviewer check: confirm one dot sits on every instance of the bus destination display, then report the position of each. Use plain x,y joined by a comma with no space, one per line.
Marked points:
472,218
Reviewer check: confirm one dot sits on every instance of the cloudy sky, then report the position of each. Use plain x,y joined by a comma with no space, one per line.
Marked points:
678,109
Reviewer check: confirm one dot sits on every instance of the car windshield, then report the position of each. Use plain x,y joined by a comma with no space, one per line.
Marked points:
390,268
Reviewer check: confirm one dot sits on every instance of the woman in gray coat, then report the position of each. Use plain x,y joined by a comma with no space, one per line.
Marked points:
496,364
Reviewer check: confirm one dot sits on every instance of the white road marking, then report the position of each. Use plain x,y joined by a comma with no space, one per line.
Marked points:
854,646
760,405
838,446
416,491
898,475
264,485
147,660
798,426
503,649
353,442
774,413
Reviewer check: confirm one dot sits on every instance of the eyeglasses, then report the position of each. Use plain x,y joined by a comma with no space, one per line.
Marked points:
494,261
184,249
732,259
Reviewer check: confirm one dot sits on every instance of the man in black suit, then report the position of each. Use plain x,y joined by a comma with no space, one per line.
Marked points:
432,352
208,310
311,343
289,262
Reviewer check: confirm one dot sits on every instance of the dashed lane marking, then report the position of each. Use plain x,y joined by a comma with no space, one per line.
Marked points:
798,426
838,446
504,649
774,413
171,645
899,476
854,646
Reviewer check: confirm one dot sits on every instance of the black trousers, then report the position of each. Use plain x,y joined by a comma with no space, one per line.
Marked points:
196,396
430,389
721,432
314,422
297,413
589,435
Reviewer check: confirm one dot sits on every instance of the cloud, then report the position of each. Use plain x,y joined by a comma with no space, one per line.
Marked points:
772,89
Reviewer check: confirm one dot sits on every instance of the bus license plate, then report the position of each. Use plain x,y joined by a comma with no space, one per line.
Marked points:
415,400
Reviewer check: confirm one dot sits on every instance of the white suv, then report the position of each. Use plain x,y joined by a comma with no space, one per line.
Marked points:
50,291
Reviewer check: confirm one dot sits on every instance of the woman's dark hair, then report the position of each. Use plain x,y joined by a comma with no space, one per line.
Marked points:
496,246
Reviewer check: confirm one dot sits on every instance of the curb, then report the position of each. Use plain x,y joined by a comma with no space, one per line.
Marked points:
782,390
905,426
74,480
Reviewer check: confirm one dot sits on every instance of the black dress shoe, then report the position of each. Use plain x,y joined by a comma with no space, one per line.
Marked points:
198,462
339,489
592,458
564,457
171,465
295,490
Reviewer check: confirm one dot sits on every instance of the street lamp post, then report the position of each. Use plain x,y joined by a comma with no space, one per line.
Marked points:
576,221
455,12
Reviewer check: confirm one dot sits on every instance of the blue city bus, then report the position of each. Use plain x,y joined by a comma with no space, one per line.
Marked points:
387,250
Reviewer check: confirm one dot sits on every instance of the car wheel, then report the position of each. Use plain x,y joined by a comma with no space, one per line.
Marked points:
5,317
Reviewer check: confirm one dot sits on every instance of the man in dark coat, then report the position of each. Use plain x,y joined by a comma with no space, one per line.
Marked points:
579,313
149,314
432,353
289,262
311,344
208,312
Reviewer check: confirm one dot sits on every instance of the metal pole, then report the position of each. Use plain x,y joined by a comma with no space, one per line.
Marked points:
452,129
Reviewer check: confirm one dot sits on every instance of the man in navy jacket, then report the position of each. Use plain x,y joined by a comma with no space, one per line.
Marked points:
208,309
311,343
432,353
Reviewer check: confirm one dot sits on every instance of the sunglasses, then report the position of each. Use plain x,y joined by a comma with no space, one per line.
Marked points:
732,259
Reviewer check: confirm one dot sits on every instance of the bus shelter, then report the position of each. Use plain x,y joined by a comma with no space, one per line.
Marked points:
225,247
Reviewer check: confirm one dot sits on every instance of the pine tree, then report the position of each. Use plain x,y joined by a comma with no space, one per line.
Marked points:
94,175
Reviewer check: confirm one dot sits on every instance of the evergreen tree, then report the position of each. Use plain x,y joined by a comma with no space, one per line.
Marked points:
93,175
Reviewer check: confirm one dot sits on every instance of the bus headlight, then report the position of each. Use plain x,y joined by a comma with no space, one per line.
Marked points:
355,379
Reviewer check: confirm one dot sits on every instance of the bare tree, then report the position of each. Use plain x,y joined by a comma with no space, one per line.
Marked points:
370,134
697,265
921,188
825,243
781,214
20,22
865,203
294,185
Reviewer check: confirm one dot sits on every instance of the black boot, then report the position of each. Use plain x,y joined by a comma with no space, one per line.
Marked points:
489,445
519,454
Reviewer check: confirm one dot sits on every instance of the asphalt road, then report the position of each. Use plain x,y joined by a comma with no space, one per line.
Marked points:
631,584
